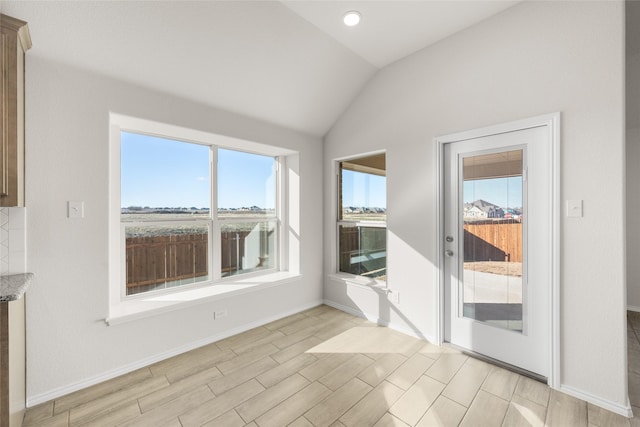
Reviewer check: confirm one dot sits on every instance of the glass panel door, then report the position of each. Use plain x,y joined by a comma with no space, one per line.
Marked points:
493,253
497,235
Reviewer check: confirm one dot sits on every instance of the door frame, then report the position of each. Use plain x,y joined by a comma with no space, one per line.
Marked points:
552,122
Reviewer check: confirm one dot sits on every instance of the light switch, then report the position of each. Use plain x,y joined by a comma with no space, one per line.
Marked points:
574,208
75,209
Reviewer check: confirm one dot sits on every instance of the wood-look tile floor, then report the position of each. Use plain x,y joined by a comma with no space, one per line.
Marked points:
323,367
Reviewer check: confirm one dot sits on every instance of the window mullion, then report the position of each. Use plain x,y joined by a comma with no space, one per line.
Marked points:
282,263
215,247
215,242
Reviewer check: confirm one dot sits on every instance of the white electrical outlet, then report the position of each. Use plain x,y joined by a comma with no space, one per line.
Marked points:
75,209
574,208
220,314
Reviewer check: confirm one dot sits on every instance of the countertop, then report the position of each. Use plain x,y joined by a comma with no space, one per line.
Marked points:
13,286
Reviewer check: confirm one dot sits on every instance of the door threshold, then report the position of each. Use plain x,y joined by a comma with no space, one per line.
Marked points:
496,362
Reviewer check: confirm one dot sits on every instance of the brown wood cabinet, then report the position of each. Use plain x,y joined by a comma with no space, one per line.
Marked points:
14,42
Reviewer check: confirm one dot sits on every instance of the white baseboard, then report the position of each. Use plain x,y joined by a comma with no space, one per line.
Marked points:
352,311
379,321
624,410
407,331
611,406
88,382
633,308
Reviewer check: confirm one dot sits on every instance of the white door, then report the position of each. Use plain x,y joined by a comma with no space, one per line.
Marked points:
498,241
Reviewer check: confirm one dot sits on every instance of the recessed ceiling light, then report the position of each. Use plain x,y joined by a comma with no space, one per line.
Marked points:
351,18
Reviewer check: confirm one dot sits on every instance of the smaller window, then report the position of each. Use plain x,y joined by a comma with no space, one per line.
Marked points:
362,217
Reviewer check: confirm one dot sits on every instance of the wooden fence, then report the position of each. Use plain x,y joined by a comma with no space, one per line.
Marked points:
160,259
493,241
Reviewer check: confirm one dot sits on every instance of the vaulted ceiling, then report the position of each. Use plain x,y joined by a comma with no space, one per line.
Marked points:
292,63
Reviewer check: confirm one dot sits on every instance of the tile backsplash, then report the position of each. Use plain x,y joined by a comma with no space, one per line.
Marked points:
13,236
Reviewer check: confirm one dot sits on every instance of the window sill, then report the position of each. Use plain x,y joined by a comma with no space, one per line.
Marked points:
361,281
139,308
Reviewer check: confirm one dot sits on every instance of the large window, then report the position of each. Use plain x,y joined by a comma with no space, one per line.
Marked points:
362,217
194,213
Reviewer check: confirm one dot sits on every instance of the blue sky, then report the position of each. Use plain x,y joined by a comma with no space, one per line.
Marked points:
158,172
363,190
504,192
245,180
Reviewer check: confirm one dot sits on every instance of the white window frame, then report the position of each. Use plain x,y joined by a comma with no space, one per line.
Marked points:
124,307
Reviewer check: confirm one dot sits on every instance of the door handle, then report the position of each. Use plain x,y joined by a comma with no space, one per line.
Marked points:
448,252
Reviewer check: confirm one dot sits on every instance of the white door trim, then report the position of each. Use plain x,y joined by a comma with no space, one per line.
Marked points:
552,122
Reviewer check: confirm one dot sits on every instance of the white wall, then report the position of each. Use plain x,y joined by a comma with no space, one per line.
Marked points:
533,59
69,344
633,154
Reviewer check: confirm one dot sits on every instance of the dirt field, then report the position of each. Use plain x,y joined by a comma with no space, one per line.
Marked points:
496,267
